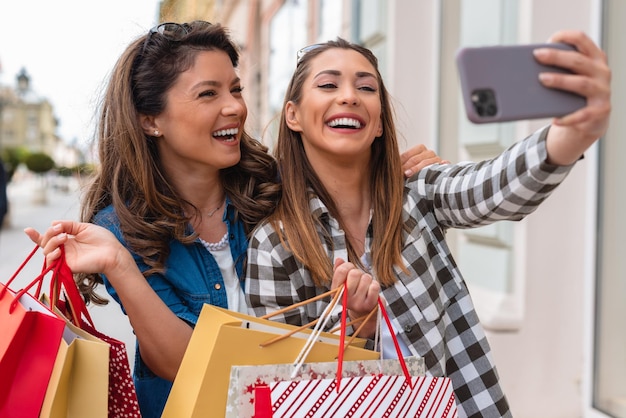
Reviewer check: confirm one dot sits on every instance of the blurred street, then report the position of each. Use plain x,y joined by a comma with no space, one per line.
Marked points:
27,209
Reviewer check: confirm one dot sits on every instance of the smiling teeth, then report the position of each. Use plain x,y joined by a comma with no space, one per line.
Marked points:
227,132
344,122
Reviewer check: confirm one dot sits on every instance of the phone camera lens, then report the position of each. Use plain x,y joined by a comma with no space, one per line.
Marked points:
484,102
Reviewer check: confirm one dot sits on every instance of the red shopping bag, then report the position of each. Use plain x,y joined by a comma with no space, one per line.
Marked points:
122,395
365,395
30,335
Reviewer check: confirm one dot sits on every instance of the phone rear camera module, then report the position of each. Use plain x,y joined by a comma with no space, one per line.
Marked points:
484,102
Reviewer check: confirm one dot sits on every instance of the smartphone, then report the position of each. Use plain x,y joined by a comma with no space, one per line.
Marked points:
501,83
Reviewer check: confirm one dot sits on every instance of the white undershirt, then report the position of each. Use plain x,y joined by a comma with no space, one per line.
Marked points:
234,293
387,348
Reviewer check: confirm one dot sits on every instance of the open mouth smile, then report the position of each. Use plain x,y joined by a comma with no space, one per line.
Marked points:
345,123
227,135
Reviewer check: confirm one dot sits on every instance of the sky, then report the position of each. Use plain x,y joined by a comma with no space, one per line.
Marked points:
68,48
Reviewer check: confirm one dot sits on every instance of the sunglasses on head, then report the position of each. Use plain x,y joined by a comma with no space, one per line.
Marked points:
173,31
303,51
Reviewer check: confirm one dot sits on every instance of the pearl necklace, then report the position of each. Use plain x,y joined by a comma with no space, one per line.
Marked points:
216,246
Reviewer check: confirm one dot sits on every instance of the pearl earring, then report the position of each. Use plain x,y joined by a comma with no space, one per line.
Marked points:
156,132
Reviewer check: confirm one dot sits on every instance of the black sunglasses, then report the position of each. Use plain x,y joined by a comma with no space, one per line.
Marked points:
173,31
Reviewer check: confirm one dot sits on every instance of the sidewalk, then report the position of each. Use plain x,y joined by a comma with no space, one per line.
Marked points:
15,247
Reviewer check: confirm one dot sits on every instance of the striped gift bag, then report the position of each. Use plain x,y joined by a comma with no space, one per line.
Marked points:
365,396
246,381
373,390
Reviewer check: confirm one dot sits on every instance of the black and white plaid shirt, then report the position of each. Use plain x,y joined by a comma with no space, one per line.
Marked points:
430,306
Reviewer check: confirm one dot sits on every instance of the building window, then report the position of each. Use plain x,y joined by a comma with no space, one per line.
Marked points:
8,115
32,127
287,34
494,285
329,24
370,17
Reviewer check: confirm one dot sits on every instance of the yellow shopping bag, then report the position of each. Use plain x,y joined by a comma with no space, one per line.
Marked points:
224,338
92,375
79,383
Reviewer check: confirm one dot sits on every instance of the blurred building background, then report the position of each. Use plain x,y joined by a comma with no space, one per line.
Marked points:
28,122
550,289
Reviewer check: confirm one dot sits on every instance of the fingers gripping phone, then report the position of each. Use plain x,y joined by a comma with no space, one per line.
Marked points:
501,83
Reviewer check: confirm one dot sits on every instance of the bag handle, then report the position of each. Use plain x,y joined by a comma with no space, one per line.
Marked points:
343,327
62,278
37,281
362,319
344,323
20,268
301,303
335,293
319,326
342,347
405,370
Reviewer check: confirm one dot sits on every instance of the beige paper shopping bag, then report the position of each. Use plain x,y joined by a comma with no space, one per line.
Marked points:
79,382
224,338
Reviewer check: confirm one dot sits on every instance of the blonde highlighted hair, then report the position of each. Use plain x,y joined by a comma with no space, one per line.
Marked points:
293,215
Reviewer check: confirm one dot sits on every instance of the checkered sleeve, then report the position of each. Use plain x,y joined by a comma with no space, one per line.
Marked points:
507,187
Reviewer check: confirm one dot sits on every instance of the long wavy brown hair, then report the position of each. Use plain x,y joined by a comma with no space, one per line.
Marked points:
293,215
130,175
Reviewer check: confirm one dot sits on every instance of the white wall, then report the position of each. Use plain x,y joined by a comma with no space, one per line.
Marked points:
412,73
540,364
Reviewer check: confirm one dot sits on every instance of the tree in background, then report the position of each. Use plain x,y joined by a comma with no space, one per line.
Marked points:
12,158
40,163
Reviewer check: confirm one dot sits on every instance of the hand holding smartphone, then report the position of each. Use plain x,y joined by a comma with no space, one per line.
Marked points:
501,83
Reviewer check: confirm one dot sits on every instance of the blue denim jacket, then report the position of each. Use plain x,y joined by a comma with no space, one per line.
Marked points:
192,278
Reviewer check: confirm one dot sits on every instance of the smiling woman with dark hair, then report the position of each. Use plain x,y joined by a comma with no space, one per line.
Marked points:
180,185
